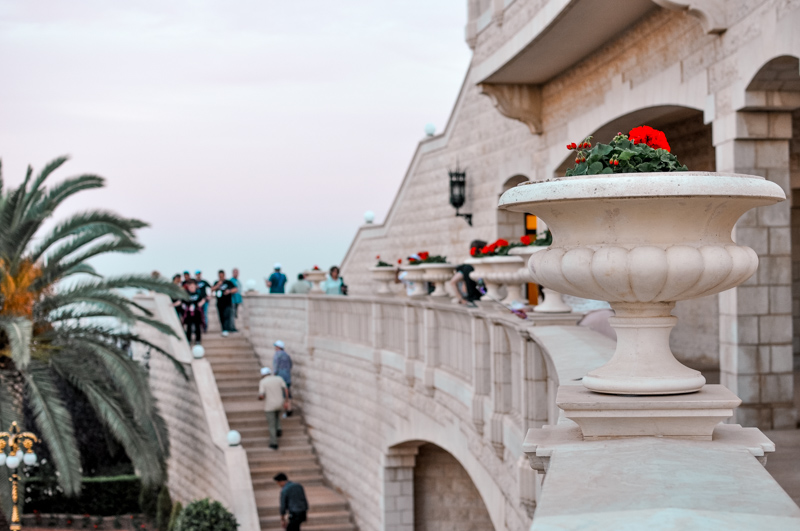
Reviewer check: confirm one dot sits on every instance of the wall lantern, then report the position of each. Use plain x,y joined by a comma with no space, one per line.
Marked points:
458,192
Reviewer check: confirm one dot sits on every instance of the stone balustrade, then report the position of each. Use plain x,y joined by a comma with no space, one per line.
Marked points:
377,374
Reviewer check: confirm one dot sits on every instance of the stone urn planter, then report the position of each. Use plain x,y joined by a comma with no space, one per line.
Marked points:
416,274
438,275
643,242
384,276
553,301
316,277
497,271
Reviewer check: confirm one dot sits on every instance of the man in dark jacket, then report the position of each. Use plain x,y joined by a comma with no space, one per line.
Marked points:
294,505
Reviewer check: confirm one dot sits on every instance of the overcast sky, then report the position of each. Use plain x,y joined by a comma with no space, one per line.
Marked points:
245,132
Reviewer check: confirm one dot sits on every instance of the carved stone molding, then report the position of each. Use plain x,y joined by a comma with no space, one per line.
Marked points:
520,102
711,13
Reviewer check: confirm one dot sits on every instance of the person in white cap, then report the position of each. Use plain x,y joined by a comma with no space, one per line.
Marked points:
272,390
277,280
282,364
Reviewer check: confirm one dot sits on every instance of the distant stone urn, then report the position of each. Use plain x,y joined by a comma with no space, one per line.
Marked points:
642,242
316,277
385,277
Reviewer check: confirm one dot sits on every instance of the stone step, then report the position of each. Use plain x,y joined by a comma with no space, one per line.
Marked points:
237,371
268,470
320,499
327,519
263,453
267,484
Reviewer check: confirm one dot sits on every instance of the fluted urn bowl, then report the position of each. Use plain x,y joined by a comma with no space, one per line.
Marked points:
384,276
643,242
438,274
498,271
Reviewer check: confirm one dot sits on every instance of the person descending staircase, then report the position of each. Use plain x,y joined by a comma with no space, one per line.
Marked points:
237,372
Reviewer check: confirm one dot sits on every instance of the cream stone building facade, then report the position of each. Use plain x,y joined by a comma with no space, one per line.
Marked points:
427,415
721,79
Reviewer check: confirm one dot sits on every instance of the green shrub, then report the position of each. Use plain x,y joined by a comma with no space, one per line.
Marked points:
163,509
148,502
173,518
106,496
205,515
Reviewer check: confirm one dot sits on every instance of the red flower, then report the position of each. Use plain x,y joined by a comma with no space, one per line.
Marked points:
423,255
378,257
492,247
472,251
525,240
501,243
652,137
399,260
486,250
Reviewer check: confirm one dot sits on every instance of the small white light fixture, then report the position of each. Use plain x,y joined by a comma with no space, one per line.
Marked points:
430,129
12,462
29,459
369,217
234,438
198,351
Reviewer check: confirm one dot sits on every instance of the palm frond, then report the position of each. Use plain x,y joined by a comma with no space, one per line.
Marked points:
77,224
49,168
54,424
56,271
146,455
18,330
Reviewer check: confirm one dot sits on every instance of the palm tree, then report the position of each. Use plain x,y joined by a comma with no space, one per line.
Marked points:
75,331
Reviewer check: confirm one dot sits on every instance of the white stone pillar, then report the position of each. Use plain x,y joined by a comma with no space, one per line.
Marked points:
756,317
398,489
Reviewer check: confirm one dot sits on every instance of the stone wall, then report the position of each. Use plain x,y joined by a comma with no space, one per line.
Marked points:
197,467
444,496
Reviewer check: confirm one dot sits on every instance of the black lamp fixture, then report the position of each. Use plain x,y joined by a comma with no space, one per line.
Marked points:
458,192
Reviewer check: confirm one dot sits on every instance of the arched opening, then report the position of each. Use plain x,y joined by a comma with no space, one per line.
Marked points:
776,88
695,340
427,489
511,225
444,495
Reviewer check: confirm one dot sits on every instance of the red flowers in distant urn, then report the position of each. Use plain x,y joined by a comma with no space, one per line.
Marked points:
652,137
525,240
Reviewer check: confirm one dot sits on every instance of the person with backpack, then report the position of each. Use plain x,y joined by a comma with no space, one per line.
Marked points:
277,280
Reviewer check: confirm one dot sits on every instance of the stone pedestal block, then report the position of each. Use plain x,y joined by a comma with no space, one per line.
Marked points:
602,416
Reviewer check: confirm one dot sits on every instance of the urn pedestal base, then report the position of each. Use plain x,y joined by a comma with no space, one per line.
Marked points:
643,363
693,416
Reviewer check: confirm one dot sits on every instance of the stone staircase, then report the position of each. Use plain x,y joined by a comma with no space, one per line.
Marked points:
236,368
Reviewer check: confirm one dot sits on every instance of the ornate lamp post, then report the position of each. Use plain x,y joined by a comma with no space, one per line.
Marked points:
458,192
13,439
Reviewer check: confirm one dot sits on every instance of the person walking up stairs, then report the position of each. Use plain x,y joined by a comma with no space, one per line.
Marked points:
237,371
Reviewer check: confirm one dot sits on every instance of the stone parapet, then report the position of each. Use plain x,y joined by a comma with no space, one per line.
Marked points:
378,376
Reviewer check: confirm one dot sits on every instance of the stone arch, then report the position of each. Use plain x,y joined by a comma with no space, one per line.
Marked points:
510,225
682,125
427,488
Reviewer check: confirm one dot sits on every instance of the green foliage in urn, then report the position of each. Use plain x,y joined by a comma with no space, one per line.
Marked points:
642,150
205,515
